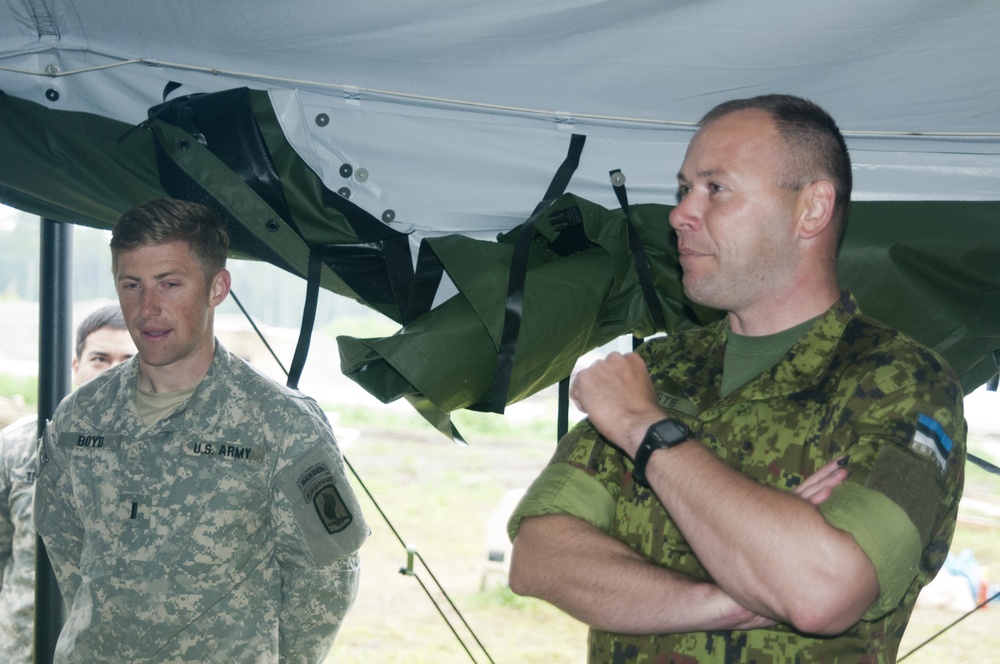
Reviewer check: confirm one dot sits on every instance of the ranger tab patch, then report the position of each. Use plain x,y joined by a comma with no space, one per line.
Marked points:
318,487
931,440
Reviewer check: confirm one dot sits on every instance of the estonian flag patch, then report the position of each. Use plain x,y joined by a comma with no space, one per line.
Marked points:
931,440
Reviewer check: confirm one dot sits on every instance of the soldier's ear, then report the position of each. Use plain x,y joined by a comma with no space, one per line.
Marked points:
816,201
219,288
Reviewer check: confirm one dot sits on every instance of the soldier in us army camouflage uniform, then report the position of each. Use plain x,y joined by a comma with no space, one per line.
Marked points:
776,487
194,510
101,343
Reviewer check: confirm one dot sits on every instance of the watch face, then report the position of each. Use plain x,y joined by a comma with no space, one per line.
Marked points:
665,433
671,432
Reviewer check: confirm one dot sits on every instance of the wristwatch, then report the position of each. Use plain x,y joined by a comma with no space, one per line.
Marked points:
665,433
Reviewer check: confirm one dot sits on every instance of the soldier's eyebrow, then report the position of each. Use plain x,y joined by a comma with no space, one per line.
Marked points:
155,277
707,173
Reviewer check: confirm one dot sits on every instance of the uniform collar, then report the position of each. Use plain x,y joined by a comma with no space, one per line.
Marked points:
807,360
803,366
202,411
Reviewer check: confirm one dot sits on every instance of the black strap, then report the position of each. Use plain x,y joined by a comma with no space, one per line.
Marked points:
225,123
642,270
562,421
170,87
308,318
983,463
386,276
513,311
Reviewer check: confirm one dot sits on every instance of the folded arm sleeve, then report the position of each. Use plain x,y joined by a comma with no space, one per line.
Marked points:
906,468
886,535
563,489
578,482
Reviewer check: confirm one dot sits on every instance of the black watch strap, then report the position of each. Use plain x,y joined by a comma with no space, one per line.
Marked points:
665,433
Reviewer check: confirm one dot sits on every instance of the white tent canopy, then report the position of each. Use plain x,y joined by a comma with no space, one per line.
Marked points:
458,111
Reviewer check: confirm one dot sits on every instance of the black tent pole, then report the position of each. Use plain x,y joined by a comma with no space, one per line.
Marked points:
55,315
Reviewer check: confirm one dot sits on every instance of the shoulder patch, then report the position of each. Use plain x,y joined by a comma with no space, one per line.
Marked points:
930,440
318,487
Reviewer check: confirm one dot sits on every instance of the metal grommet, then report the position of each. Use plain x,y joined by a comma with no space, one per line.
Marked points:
52,94
361,174
346,170
322,120
271,225
183,144
345,192
389,216
617,179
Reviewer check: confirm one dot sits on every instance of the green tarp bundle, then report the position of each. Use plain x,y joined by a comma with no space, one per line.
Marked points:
928,268
915,265
581,292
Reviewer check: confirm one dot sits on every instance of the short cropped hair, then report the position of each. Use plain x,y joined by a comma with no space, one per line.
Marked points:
816,148
107,316
166,220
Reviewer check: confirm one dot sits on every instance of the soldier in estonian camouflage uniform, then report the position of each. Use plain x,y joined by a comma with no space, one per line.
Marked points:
806,483
101,343
194,510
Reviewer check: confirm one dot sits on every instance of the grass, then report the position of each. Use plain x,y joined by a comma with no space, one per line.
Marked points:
972,638
438,497
23,387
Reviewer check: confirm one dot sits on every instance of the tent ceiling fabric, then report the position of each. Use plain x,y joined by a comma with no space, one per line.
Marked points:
456,109
393,123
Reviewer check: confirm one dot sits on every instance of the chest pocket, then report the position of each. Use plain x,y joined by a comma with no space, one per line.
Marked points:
176,509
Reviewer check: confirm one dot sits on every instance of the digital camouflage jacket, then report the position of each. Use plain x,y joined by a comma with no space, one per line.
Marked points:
17,541
849,386
226,532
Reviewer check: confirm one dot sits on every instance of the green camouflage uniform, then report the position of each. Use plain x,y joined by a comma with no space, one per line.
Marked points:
848,386
226,532
17,541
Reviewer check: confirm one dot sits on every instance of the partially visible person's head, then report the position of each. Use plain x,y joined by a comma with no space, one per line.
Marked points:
102,341
816,148
168,220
